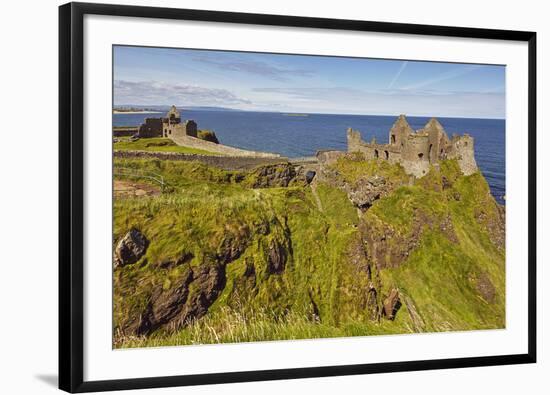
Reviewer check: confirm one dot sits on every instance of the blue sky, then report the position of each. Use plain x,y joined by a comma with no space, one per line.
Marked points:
311,84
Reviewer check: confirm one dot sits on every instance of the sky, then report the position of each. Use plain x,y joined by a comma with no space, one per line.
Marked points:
306,84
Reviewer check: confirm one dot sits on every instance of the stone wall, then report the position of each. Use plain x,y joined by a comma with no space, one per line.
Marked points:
399,132
187,128
124,131
151,128
327,158
223,162
462,148
372,150
190,127
416,151
193,142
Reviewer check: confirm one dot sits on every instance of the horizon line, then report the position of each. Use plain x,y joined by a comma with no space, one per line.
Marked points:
222,108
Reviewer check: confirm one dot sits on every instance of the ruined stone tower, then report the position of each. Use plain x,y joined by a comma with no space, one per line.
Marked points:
168,126
417,150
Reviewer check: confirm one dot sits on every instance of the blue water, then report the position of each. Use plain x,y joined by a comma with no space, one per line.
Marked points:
296,136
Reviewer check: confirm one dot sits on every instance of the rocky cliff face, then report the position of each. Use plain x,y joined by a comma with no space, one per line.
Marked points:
358,248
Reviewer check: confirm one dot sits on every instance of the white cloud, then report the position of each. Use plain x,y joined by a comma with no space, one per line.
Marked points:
264,69
154,92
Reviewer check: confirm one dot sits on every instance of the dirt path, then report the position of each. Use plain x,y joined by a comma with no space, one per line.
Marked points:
316,195
125,188
192,142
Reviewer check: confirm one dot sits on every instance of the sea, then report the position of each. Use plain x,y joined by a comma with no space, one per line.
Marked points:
302,135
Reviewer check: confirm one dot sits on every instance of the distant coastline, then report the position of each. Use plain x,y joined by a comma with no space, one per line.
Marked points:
136,112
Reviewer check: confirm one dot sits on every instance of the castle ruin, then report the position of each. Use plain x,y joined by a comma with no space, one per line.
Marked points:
417,150
169,126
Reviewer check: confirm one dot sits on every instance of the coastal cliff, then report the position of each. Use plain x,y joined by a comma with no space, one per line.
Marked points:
352,246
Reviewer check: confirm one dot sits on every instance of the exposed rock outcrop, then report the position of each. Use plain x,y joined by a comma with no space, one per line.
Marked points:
392,304
388,247
276,258
364,191
310,175
367,190
182,303
485,287
278,175
208,135
130,248
493,217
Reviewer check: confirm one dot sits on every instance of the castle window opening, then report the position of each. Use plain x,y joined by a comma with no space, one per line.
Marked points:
421,155
393,138
376,153
387,154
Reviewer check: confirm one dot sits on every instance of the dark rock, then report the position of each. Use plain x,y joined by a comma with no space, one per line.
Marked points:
233,245
309,176
279,175
208,135
179,306
373,311
276,259
130,248
163,307
392,304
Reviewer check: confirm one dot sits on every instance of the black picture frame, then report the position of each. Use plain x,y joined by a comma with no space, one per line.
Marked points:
71,173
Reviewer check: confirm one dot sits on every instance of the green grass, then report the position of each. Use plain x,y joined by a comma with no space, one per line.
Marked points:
440,275
207,206
157,144
228,325
354,166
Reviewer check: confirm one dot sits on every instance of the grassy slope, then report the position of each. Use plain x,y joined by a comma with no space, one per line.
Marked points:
441,276
157,144
207,204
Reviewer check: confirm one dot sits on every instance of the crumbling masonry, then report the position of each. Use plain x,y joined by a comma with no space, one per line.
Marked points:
169,126
417,150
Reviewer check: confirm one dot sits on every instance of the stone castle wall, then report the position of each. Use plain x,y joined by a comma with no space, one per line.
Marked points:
372,150
416,151
192,142
462,149
168,126
187,128
152,127
223,162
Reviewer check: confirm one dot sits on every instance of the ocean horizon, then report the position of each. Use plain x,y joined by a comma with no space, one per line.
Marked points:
303,134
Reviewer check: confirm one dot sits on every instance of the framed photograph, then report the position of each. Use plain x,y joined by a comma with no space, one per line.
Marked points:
253,197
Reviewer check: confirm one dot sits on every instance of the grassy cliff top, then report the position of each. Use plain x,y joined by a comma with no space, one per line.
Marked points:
158,144
301,262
